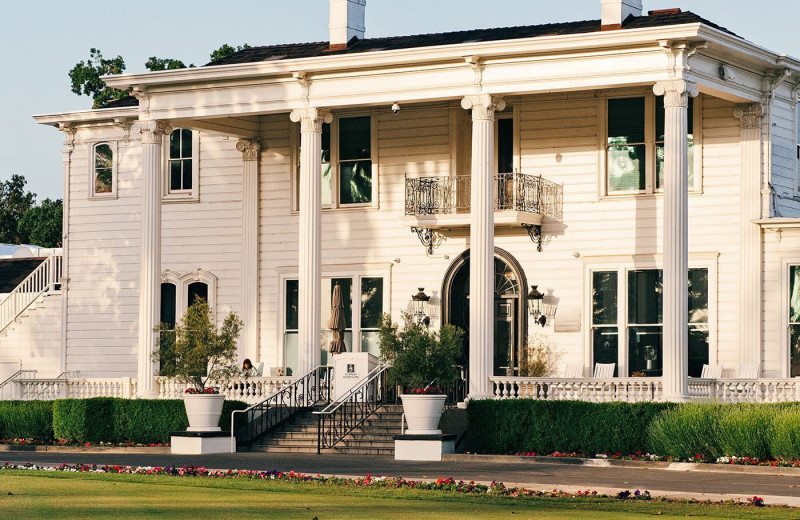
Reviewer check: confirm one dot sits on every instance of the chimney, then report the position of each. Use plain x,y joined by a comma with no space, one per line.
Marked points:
347,22
614,12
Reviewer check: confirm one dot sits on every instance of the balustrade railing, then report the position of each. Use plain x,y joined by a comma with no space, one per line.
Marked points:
512,192
632,390
46,277
9,388
242,388
745,390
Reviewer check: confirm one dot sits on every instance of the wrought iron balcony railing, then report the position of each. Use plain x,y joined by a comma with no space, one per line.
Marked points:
512,192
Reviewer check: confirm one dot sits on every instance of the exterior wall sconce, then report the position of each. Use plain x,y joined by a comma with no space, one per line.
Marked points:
535,298
420,302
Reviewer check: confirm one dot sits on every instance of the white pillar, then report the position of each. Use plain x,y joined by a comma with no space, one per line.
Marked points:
250,189
310,281
481,256
66,159
150,252
676,237
750,118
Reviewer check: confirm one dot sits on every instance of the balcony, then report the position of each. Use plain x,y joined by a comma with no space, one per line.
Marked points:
443,203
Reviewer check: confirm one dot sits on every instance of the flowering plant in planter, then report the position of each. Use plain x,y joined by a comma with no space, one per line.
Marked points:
195,391
428,390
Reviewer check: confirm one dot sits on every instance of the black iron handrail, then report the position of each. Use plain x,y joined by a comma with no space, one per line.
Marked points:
349,412
273,411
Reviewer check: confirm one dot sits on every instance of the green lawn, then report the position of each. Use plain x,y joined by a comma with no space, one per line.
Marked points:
27,494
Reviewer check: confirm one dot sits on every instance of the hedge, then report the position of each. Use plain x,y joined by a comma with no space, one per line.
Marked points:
26,420
143,421
521,425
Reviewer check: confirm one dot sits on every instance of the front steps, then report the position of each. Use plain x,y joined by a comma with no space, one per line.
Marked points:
374,437
34,338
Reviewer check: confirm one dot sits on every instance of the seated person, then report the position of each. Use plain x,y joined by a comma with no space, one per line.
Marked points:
248,370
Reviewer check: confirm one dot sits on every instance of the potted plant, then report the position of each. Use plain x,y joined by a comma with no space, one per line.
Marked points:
423,363
197,352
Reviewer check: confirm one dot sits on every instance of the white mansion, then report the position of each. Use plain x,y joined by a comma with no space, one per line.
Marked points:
641,170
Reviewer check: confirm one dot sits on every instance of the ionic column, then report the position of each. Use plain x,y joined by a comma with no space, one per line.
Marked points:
310,281
150,252
676,237
250,184
750,120
481,256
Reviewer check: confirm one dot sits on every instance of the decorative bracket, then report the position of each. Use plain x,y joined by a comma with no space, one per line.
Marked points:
477,69
429,238
535,232
678,54
304,83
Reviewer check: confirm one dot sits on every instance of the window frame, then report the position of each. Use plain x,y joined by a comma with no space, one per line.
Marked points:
114,145
787,263
192,195
182,283
650,145
335,163
623,265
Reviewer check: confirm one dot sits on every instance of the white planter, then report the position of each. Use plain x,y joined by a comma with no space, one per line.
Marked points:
423,413
203,411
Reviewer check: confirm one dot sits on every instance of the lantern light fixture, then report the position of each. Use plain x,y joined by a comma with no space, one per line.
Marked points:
420,301
535,298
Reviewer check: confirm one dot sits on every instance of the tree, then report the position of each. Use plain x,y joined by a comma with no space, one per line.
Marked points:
85,77
14,202
226,51
154,64
41,225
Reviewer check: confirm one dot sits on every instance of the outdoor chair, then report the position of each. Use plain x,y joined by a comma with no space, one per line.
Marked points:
573,370
749,371
259,369
604,370
711,372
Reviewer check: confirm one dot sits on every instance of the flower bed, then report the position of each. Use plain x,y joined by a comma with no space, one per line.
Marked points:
64,442
650,457
447,485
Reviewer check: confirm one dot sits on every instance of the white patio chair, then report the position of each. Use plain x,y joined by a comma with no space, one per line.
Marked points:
711,372
259,369
749,371
573,370
604,370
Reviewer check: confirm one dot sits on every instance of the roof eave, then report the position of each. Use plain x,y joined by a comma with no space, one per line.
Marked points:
98,115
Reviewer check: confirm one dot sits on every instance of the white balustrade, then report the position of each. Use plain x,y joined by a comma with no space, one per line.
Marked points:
631,390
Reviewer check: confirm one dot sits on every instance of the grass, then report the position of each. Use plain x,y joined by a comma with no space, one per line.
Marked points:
30,495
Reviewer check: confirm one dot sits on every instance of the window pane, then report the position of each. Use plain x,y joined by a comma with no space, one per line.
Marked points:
186,165
175,175
186,143
291,348
605,345
291,304
175,144
604,298
346,285
698,349
371,303
103,168
355,182
794,344
660,115
326,143
794,294
102,182
505,146
326,184
625,121
626,168
698,295
644,296
644,351
197,290
354,138
369,343
168,304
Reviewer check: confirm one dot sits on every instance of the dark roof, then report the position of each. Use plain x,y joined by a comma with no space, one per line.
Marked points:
310,50
14,270
127,101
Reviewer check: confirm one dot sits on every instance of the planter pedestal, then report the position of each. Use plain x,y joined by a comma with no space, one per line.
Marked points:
423,447
201,443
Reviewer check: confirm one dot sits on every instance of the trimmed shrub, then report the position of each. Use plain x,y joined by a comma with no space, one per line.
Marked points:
26,420
521,425
687,431
84,420
784,443
745,430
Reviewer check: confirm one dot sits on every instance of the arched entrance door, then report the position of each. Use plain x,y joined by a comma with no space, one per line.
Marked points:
510,308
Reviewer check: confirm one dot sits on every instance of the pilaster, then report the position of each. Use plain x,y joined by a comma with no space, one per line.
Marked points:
250,150
66,160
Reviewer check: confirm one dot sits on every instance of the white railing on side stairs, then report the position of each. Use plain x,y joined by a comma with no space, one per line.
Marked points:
43,279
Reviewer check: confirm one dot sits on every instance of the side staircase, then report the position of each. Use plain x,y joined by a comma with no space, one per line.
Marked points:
300,435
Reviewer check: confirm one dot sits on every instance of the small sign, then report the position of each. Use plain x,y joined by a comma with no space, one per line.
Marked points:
351,368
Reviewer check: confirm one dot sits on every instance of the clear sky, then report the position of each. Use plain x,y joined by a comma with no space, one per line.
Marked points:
42,39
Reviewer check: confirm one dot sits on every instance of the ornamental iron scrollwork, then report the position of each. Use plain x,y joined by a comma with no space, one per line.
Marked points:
537,237
429,238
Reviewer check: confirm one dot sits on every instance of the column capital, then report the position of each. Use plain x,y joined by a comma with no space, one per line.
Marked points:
249,148
311,119
483,106
749,116
676,92
152,131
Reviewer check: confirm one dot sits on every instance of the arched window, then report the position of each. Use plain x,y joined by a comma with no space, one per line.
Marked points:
197,290
179,291
103,179
168,304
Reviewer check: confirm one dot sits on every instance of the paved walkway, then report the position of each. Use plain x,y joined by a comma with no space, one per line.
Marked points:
775,488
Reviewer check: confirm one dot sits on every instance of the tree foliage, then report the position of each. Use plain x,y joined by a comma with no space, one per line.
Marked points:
41,225
85,77
226,51
14,202
196,351
154,64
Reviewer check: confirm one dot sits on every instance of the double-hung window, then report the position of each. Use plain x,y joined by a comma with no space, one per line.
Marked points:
182,166
103,171
794,320
634,154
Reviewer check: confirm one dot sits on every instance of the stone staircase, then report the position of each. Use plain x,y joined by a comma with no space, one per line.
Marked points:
374,437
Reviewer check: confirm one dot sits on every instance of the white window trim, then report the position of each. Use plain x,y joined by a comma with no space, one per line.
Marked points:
114,170
182,283
785,344
294,142
354,273
192,195
623,265
650,142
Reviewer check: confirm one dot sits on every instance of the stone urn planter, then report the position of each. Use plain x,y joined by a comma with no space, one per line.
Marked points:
423,413
203,411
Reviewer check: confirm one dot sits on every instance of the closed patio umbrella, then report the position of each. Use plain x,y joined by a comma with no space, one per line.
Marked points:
337,323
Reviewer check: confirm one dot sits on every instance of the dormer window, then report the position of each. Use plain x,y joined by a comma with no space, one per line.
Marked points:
103,174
